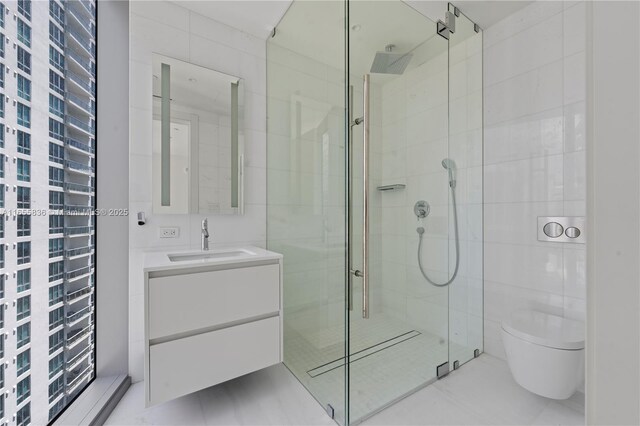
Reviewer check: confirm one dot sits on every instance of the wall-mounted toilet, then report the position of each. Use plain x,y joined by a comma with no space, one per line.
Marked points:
545,352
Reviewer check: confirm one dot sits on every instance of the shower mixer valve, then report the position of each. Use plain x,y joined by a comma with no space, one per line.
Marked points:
421,209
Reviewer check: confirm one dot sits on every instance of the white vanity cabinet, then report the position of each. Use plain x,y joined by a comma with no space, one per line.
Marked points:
209,321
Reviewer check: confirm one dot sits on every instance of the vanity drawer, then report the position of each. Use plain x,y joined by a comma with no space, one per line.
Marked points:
187,302
187,365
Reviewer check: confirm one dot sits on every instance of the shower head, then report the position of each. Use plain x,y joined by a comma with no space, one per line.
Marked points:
390,63
450,166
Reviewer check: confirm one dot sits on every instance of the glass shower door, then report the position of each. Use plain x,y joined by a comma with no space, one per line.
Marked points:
466,327
306,183
398,321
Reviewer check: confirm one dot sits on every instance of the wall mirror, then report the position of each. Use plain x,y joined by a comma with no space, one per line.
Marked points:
197,139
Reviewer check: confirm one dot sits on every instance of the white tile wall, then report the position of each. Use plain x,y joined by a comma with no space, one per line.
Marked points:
534,141
168,29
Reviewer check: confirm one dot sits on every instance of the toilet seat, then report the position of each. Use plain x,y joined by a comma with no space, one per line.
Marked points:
545,329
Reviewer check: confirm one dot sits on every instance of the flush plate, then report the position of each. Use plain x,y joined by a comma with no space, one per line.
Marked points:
562,229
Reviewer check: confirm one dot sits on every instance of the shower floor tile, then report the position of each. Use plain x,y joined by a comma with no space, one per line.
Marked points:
399,360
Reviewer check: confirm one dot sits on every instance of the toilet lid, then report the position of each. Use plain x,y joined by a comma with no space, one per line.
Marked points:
545,329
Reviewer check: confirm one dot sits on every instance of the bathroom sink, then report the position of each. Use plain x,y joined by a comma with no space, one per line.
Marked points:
204,255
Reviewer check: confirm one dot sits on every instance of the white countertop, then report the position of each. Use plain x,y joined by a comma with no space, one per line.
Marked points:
159,260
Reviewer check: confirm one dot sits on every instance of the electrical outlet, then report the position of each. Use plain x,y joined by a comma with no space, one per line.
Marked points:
169,232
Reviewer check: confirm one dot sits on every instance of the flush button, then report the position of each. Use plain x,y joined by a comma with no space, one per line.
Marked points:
554,230
562,229
572,232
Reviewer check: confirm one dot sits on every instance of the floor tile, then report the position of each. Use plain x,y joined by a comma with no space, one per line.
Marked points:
480,392
558,414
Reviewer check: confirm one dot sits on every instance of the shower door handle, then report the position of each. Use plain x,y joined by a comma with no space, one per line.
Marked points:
350,201
365,196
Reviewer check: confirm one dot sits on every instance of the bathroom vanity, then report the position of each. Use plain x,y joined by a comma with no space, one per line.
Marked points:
210,316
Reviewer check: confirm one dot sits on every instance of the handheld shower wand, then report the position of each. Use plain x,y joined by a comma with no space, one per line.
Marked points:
450,166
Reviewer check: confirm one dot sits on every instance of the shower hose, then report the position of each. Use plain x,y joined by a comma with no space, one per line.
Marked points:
455,225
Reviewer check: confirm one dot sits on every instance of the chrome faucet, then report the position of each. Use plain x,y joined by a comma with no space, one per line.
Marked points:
205,234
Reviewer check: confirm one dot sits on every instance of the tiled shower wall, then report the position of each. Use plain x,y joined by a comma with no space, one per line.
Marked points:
534,154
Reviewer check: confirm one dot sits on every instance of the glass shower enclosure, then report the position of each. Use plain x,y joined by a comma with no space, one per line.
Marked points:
374,197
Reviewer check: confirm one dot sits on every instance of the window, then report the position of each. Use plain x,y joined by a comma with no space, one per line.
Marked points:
56,153
24,225
23,194
2,12
56,59
56,318
55,409
56,105
55,364
1,351
2,258
24,60
56,176
2,399
56,247
2,75
39,49
2,229
23,389
55,388
24,170
56,12
1,288
23,334
56,271
56,202
1,165
24,252
24,7
56,129
24,280
56,340
24,32
56,294
56,224
2,319
2,42
2,190
2,376
24,87
2,105
23,308
23,416
23,362
24,115
56,35
56,82
1,135
24,142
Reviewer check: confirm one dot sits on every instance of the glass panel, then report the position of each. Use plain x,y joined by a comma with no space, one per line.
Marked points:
306,192
31,175
465,149
398,348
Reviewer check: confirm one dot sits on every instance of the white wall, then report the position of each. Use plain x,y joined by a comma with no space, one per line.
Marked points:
613,339
112,260
534,153
171,30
